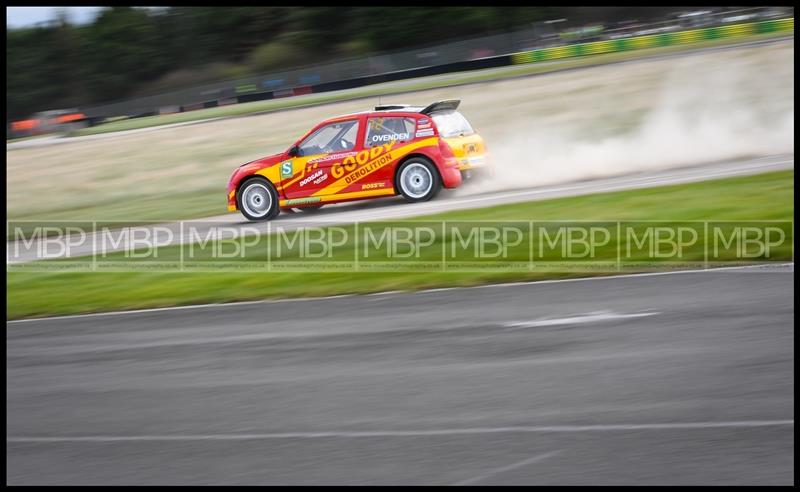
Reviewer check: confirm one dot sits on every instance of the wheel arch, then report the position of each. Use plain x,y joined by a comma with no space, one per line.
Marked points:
257,177
407,158
253,176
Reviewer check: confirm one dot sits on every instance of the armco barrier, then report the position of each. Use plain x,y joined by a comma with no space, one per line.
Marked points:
653,40
491,62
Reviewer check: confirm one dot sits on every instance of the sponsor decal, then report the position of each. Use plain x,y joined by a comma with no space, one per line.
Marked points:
390,137
350,164
318,177
372,166
368,161
286,169
370,186
425,133
302,201
332,157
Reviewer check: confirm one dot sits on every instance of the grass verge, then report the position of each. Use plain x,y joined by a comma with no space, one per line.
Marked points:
754,198
407,86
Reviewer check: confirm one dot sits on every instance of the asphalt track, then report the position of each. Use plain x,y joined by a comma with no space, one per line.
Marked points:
395,208
683,378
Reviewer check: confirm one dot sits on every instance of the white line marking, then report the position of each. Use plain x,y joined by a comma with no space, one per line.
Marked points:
645,274
441,289
153,310
407,433
575,320
511,284
298,299
385,293
504,469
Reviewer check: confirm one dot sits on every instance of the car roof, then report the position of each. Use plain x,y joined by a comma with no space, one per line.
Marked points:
407,112
403,110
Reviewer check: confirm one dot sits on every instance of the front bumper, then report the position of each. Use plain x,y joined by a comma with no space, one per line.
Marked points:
232,200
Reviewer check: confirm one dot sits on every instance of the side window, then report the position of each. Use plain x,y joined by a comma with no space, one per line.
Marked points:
384,130
452,124
336,137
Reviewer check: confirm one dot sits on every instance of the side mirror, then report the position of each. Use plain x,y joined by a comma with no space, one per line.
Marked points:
294,151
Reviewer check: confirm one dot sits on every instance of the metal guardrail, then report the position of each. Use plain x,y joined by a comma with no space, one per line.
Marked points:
299,80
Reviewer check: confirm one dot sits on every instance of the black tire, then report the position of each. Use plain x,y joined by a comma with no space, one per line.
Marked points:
252,199
418,180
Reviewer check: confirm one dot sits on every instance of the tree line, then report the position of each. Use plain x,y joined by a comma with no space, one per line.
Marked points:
129,51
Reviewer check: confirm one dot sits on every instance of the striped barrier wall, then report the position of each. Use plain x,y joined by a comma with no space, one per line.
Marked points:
653,41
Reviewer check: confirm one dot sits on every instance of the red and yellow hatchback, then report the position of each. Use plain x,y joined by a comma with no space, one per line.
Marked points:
393,150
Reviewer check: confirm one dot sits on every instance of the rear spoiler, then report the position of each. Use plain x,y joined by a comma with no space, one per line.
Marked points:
448,105
389,107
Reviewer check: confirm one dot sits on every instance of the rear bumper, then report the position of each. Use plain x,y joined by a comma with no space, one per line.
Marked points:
476,167
477,173
451,177
474,162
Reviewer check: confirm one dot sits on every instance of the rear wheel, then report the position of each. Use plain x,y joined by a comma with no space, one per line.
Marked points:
418,180
258,199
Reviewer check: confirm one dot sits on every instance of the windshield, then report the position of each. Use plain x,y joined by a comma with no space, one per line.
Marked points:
452,124
336,137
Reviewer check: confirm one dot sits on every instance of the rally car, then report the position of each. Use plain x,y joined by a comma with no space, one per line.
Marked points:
399,149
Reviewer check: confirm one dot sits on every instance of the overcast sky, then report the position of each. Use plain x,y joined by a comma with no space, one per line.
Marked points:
28,16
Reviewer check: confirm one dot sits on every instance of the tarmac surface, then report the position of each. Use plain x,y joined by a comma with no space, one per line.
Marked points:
682,378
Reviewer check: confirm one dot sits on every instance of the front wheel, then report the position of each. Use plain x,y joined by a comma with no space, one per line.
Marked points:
418,180
258,199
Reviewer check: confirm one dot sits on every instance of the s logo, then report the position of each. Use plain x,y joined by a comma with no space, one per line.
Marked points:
286,169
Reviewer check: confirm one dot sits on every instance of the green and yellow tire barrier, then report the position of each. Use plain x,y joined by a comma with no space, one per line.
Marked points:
653,41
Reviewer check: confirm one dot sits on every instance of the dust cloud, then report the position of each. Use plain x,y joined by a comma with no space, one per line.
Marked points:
702,109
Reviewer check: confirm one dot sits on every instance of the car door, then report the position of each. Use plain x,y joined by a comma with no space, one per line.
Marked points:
317,154
383,131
